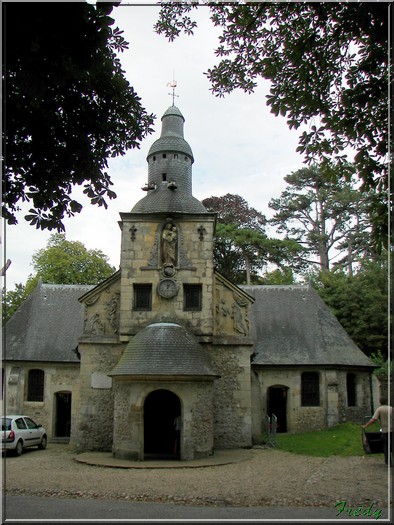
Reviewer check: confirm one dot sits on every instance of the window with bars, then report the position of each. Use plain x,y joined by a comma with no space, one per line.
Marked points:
35,386
192,297
351,390
142,297
310,389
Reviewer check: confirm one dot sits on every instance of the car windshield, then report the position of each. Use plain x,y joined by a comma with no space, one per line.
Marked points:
5,424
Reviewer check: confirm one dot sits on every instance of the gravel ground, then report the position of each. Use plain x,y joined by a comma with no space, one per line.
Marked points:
269,477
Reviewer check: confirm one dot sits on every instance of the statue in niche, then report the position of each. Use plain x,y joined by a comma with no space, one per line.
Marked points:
169,244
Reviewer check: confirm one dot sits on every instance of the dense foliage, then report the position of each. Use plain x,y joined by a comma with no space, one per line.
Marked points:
67,108
329,217
61,262
70,262
245,254
242,248
328,67
360,302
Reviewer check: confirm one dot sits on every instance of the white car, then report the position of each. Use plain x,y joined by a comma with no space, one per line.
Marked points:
19,432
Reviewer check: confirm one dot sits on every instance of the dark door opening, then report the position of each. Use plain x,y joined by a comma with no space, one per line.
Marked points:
160,410
277,404
63,414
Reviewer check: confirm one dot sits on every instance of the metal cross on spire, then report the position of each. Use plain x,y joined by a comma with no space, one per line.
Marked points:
173,85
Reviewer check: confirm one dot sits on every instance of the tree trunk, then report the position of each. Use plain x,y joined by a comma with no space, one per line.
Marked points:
349,256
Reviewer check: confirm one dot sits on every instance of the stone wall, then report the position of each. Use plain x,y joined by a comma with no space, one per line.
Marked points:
383,381
93,415
232,396
196,414
333,408
141,264
364,394
58,377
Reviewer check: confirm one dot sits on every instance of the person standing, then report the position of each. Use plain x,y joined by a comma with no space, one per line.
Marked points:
383,414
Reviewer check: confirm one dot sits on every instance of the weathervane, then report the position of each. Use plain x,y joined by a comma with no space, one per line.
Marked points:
173,85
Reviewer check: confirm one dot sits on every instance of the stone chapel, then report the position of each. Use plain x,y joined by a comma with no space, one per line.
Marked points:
167,357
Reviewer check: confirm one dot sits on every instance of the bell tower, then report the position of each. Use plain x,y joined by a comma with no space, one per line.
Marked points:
167,242
173,343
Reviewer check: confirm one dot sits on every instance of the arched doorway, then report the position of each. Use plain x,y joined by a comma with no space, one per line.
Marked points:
160,410
62,414
277,404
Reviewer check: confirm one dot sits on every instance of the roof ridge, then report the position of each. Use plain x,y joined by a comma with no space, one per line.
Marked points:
54,285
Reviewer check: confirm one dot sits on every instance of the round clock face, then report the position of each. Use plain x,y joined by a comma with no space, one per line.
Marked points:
167,288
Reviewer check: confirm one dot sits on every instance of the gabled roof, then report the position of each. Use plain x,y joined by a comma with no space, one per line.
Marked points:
291,325
240,290
47,326
92,291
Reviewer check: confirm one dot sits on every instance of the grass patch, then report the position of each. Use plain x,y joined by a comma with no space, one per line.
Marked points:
341,440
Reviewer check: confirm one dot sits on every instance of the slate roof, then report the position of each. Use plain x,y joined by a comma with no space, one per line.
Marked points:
47,326
293,326
163,349
172,143
165,201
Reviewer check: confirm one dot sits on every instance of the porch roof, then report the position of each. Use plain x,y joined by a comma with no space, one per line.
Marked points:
163,349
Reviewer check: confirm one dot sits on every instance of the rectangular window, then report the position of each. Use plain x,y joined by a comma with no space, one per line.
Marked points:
310,389
142,297
351,390
192,297
35,388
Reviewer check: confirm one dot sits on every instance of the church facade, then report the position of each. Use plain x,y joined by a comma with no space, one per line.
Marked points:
167,357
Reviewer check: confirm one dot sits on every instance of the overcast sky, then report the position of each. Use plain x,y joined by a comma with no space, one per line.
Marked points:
239,147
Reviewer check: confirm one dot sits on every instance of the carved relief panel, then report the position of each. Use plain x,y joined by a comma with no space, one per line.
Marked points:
231,312
102,312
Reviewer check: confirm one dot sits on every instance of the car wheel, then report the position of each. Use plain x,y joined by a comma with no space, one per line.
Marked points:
19,448
43,443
